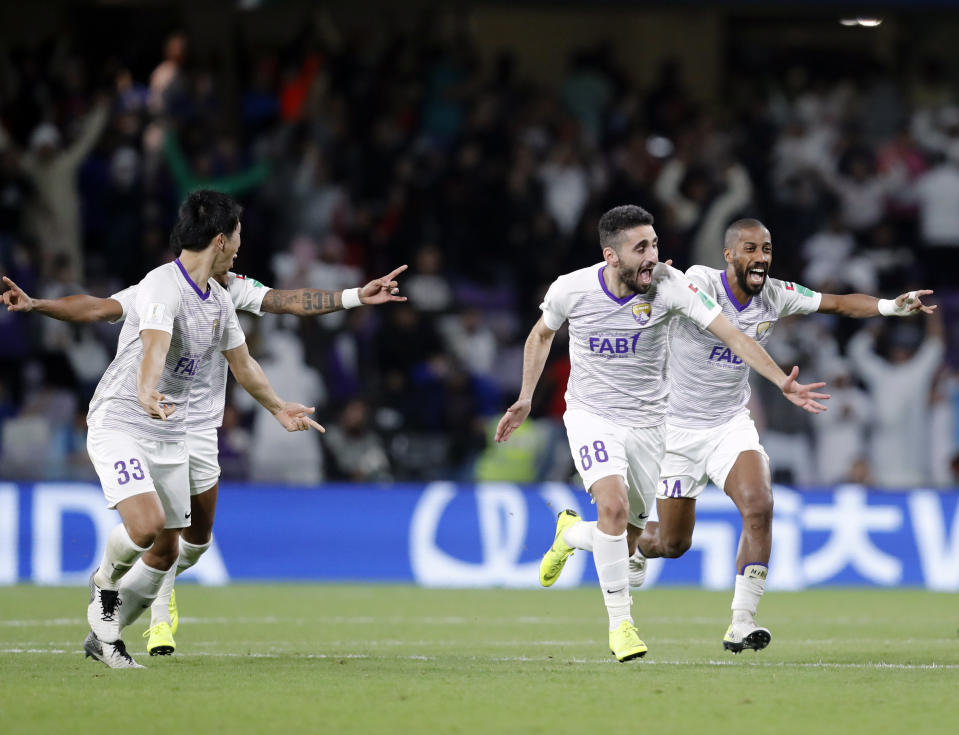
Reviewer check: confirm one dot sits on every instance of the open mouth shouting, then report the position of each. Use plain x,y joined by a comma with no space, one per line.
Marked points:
644,276
756,277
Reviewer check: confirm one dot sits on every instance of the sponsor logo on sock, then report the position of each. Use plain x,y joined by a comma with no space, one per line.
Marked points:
613,592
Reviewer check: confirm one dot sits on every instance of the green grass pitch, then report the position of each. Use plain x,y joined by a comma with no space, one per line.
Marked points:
383,659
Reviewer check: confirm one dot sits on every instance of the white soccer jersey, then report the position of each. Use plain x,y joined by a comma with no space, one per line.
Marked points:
208,393
200,324
708,383
618,347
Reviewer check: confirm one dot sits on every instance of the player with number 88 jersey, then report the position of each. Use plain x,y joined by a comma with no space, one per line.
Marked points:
619,313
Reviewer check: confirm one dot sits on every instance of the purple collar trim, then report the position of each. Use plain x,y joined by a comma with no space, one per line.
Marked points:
203,296
602,282
729,293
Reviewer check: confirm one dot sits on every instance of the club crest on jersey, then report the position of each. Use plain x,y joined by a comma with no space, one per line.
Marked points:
216,327
762,328
641,313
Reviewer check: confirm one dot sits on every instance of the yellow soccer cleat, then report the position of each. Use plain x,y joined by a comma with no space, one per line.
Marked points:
555,559
161,641
174,615
625,643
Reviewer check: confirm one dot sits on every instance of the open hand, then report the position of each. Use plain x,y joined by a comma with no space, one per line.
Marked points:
804,395
16,298
514,416
906,303
154,403
295,417
381,290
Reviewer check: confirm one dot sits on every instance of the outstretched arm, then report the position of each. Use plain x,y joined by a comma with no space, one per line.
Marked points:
759,360
862,306
249,374
315,301
78,308
534,358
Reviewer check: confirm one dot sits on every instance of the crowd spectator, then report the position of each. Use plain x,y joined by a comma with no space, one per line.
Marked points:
354,150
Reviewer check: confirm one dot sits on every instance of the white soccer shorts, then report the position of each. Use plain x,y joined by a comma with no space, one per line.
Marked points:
602,448
204,454
128,466
696,456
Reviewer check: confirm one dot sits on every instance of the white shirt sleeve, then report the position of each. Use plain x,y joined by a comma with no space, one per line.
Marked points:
247,293
685,298
233,335
699,275
127,299
555,306
158,300
792,298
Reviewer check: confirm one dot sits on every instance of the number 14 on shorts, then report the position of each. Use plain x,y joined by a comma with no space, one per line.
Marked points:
599,454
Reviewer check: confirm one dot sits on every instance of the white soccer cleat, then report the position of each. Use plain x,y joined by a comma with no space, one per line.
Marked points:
113,654
102,613
746,634
637,569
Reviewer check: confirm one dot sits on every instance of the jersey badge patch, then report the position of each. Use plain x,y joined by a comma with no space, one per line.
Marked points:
762,328
641,313
155,312
256,283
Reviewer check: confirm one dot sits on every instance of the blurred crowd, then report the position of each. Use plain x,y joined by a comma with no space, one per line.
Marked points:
354,150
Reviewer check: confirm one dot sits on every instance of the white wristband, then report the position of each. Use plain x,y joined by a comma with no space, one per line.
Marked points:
888,307
351,298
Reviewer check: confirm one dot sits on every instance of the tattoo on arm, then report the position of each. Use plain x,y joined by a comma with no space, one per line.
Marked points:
303,301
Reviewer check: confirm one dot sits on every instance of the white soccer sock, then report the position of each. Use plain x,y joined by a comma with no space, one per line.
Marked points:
750,586
138,589
160,609
119,555
611,555
190,554
580,535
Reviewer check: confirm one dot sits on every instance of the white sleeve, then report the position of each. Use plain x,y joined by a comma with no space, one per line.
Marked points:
685,298
555,306
247,293
233,335
792,298
158,301
699,275
127,299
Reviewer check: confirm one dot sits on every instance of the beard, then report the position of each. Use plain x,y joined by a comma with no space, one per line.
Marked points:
631,278
741,279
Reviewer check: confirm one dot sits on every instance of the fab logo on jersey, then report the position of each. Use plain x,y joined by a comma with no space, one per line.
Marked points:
614,345
721,353
641,313
186,366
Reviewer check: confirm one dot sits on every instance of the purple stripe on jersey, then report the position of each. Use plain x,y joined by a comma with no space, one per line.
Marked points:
189,280
602,282
729,293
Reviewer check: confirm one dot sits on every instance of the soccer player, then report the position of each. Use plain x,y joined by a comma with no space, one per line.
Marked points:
709,433
209,385
137,417
619,312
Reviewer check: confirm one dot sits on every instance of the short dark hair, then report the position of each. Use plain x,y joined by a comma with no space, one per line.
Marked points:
732,232
620,219
204,215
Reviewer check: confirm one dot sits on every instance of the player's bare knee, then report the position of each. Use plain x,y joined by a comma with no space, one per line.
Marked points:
614,512
673,548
